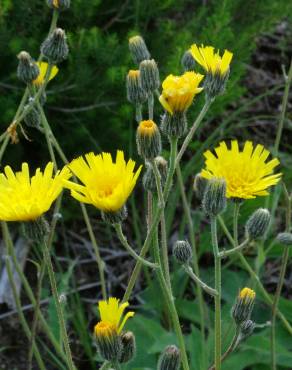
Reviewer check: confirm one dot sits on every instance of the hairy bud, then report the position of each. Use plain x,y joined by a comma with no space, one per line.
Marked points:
148,140
188,62
135,93
59,4
285,238
138,49
243,306
149,75
169,359
200,185
128,347
258,223
55,47
214,200
27,70
182,251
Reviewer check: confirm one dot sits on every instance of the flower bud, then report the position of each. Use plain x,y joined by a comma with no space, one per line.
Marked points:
108,341
169,359
128,347
285,238
32,118
258,223
27,70
59,4
115,217
149,181
55,47
243,306
148,140
188,62
200,184
182,251
174,125
214,200
138,49
247,328
149,73
36,230
135,93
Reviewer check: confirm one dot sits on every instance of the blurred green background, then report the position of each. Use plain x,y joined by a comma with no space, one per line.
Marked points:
88,110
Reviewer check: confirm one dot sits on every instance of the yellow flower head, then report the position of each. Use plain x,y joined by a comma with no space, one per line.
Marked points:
246,172
247,295
134,73
111,317
25,198
43,66
107,184
212,62
178,91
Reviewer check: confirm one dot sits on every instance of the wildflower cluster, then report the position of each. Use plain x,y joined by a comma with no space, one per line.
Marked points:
231,175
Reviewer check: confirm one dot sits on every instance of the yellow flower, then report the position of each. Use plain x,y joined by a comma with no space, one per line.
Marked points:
178,91
107,185
25,199
111,317
147,128
247,174
247,295
43,66
212,62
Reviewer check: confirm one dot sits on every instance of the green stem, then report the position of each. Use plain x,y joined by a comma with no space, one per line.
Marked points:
17,300
187,212
105,366
193,129
138,113
155,221
124,241
288,80
254,276
58,306
234,250
284,263
204,286
235,222
166,291
218,296
30,294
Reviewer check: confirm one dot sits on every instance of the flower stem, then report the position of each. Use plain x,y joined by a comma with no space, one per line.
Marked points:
155,221
284,263
187,212
218,296
254,276
17,300
239,248
193,276
124,241
30,294
193,129
60,313
166,291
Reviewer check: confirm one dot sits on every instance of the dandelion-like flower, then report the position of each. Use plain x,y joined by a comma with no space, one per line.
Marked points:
246,172
106,184
108,330
210,60
217,68
25,198
178,91
43,67
111,315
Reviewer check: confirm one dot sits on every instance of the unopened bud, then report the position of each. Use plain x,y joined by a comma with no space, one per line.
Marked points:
258,224
32,118
55,47
148,140
285,238
59,4
149,181
135,92
149,75
128,347
200,184
182,251
188,62
174,125
27,70
214,200
247,328
169,359
138,49
243,306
